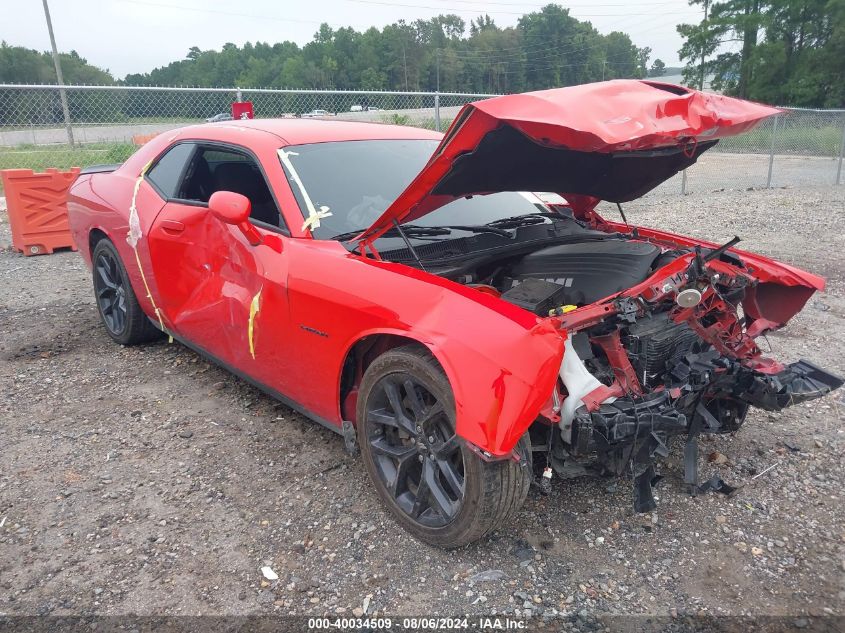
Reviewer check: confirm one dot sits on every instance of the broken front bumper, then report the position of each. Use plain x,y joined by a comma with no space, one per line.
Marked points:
798,382
711,395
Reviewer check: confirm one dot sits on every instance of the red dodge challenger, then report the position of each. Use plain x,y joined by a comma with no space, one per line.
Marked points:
405,289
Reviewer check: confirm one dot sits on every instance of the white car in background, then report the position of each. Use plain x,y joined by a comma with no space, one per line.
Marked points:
314,114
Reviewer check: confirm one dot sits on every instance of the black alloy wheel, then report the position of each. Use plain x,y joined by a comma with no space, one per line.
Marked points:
433,483
110,292
117,304
417,454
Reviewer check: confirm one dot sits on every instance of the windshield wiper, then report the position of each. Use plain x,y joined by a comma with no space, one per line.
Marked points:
345,237
503,226
524,220
416,230
478,228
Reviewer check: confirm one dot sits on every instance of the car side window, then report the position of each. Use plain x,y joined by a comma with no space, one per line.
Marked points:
222,169
167,173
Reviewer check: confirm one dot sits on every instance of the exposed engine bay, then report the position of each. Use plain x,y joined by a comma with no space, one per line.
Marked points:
581,273
659,343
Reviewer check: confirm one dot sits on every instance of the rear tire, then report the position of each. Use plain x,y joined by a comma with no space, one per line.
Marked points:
437,488
117,304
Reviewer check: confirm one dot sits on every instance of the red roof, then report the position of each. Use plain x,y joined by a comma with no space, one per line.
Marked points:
301,131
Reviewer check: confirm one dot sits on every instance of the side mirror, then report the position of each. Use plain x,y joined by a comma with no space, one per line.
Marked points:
233,208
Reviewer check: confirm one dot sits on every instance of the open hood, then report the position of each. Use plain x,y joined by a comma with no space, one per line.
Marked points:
614,141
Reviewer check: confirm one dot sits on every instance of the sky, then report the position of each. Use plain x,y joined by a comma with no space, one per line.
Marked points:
130,36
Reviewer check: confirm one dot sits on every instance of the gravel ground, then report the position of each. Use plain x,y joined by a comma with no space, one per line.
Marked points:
146,481
716,170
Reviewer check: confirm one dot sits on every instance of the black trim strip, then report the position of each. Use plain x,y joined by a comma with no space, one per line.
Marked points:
99,169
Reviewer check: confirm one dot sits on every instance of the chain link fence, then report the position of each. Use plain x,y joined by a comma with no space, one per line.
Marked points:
798,148
105,124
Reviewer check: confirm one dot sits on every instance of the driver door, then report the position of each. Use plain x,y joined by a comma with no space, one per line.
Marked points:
216,289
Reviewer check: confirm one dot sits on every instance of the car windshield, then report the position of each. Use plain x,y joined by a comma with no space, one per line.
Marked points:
357,180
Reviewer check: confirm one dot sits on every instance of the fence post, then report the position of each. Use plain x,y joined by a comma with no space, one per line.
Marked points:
238,96
841,153
437,111
772,151
683,182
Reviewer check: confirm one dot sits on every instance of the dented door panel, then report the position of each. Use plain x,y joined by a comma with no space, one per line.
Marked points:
217,290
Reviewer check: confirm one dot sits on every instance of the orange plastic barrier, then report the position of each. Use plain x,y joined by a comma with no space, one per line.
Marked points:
37,207
141,139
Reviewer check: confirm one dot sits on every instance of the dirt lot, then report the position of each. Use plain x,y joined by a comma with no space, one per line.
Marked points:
146,481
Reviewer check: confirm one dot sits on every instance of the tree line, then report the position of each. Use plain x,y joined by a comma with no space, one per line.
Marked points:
546,48
788,52
20,65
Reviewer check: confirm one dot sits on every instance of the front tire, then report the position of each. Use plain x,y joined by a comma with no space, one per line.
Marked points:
437,488
117,304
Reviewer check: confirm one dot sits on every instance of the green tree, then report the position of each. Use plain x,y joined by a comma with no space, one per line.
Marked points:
790,51
372,79
658,68
25,65
547,48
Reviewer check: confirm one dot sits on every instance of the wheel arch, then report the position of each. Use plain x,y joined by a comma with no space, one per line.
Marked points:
96,235
361,353
495,401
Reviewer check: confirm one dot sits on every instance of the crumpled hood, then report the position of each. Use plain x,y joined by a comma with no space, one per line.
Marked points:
614,140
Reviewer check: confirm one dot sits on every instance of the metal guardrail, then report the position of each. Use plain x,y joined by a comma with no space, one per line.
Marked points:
797,148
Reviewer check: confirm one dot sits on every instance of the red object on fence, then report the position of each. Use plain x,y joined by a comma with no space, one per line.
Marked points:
37,206
242,110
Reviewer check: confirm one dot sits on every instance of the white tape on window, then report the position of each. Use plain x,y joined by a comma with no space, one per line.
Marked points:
314,214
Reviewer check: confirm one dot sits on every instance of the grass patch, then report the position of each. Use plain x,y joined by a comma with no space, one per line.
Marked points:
823,140
107,122
427,123
40,157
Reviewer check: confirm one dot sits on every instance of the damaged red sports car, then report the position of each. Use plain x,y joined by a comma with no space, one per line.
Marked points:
403,288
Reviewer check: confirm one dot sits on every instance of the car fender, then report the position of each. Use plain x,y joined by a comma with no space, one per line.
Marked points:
495,401
501,361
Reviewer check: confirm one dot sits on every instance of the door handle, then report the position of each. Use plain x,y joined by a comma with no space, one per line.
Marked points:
172,226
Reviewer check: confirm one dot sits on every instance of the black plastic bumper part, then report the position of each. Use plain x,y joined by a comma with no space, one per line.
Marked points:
799,382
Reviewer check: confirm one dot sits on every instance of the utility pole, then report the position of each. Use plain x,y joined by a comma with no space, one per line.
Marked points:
405,65
703,43
59,79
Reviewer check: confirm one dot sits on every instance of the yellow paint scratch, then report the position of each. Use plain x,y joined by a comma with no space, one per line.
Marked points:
254,307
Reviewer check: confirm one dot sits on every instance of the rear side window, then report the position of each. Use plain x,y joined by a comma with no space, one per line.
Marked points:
167,172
